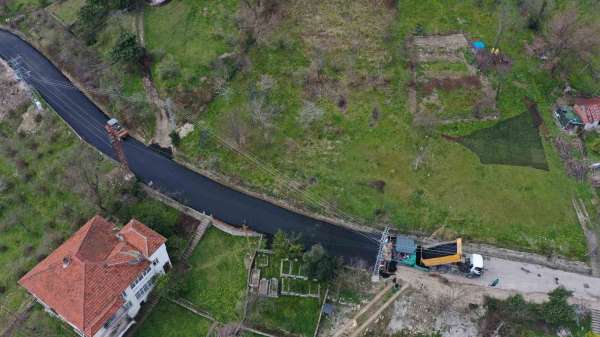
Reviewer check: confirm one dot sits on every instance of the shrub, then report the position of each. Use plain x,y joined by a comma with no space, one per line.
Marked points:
168,69
557,312
310,113
595,145
175,139
127,50
514,317
319,265
286,246
90,17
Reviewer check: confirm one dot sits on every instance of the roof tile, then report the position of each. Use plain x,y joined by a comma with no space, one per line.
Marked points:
82,280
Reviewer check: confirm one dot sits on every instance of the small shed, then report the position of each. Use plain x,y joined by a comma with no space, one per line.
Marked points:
567,119
328,309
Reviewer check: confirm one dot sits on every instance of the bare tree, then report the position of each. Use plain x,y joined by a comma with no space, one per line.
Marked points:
505,21
237,127
88,180
569,36
536,11
255,16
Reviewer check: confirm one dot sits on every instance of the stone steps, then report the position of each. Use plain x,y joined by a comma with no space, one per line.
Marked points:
596,321
196,237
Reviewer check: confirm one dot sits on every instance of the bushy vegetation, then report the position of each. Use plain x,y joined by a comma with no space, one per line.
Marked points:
515,317
127,50
93,15
286,246
320,265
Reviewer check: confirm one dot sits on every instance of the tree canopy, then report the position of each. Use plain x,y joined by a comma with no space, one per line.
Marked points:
127,50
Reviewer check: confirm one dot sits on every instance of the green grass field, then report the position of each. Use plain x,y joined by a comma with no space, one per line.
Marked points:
289,314
216,281
195,33
335,158
67,11
170,320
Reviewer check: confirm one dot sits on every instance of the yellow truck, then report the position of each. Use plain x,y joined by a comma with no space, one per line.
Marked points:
439,257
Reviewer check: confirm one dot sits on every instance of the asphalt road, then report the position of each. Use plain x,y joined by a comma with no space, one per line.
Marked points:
180,183
530,278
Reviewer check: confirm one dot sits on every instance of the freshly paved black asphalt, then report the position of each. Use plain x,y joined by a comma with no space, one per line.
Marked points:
186,186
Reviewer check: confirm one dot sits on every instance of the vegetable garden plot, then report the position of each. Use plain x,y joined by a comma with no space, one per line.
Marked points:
514,141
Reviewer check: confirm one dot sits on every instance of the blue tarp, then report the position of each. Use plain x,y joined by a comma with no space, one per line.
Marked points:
478,45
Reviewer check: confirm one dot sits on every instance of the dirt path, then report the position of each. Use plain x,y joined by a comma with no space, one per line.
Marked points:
164,125
590,234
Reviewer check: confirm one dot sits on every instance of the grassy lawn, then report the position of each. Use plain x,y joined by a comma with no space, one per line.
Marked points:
194,33
216,281
170,320
288,314
67,11
371,137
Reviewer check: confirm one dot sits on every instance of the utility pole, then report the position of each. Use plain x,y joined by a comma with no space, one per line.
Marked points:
117,144
379,259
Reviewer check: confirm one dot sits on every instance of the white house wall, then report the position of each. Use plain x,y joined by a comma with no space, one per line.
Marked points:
157,269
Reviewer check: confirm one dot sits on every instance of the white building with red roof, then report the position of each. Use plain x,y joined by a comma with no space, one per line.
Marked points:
588,110
98,278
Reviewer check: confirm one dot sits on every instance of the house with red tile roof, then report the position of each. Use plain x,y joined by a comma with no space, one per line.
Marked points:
588,110
97,279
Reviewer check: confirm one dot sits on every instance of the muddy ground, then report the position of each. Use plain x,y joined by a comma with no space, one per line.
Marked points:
13,93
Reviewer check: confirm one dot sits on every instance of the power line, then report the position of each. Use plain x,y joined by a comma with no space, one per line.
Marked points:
327,206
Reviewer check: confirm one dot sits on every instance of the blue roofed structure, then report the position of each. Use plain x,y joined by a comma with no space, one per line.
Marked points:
405,245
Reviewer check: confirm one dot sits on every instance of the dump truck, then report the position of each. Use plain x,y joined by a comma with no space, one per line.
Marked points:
117,129
439,257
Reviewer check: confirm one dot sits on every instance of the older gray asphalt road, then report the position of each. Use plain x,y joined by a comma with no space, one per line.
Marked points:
188,187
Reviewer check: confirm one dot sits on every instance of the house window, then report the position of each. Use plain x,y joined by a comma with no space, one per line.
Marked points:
109,321
140,277
127,305
155,262
143,290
